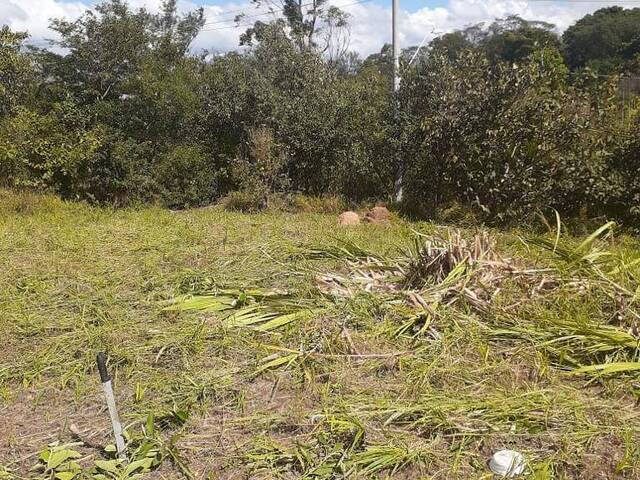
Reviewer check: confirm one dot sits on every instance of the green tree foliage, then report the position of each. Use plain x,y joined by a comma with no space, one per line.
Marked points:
506,141
514,39
17,71
451,44
61,152
606,41
122,112
311,25
511,39
128,75
331,128
103,51
623,196
115,105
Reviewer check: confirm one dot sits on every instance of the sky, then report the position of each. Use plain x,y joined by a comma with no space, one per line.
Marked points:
370,19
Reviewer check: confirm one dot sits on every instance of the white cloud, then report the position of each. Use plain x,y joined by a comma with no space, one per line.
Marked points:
370,23
220,33
373,24
34,15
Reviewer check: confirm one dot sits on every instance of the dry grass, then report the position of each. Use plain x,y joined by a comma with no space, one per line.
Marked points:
284,353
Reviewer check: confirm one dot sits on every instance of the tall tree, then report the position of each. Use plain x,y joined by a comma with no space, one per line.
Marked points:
16,69
309,25
173,34
102,50
511,39
451,44
607,40
105,48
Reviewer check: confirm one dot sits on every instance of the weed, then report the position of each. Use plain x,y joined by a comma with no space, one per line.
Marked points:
262,346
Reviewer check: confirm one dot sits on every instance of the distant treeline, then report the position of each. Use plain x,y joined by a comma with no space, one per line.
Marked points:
502,120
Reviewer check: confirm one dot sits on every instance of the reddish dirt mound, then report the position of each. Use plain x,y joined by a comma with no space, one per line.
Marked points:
378,215
346,219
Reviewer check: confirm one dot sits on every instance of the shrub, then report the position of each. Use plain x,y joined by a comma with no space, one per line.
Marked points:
258,170
622,195
38,151
186,177
323,204
507,140
330,130
17,72
57,152
482,137
119,171
244,201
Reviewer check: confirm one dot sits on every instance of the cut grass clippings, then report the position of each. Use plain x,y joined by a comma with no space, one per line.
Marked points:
254,346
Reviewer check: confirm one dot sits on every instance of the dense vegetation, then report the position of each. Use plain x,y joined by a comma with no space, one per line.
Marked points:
258,347
502,121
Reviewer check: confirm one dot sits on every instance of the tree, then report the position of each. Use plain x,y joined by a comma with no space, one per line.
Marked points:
381,62
118,104
451,44
502,140
103,49
106,47
335,34
17,70
308,25
511,39
173,35
606,41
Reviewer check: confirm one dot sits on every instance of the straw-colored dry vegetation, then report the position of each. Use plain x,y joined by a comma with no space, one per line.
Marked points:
275,345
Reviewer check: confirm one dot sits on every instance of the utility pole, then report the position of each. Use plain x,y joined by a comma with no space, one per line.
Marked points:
396,87
396,47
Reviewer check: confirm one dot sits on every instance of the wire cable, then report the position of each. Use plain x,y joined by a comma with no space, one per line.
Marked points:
248,24
270,12
604,2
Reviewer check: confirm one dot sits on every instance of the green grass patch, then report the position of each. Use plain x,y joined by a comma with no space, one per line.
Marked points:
277,345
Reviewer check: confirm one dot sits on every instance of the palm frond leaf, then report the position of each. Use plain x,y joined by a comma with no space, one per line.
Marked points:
261,309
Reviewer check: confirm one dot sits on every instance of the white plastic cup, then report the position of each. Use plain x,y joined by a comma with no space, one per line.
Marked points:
507,463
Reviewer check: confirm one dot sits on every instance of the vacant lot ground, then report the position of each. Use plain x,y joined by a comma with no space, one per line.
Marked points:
368,352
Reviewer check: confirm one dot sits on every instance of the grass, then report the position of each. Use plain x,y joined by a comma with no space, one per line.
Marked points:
275,345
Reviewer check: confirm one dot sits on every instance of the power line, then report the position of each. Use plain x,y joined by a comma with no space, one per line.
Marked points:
248,24
228,12
270,12
608,2
235,25
242,10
